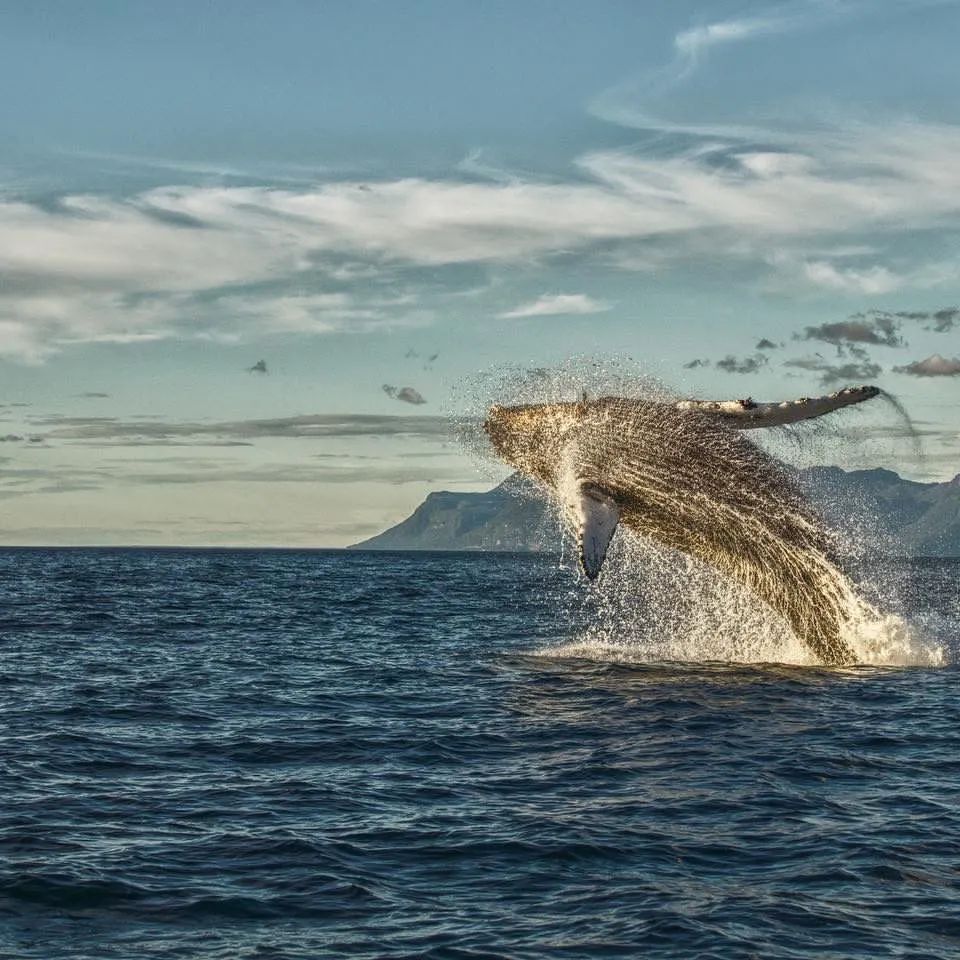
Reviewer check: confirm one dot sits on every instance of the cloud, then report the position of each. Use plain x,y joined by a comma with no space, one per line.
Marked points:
933,366
161,442
23,481
836,157
311,427
879,331
871,280
428,361
732,364
631,103
944,320
218,262
634,102
302,473
831,374
866,280
316,313
905,431
693,43
129,245
628,103
752,364
548,305
939,321
404,394
48,305
765,344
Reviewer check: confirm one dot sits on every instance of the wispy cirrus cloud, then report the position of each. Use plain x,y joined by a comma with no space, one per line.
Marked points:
693,43
828,155
236,262
557,304
632,102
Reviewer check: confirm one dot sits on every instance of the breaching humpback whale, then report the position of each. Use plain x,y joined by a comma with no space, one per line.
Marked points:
682,474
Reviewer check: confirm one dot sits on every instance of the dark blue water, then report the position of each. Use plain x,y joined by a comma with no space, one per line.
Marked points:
288,754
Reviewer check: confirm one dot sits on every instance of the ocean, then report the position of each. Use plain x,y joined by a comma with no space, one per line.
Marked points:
308,754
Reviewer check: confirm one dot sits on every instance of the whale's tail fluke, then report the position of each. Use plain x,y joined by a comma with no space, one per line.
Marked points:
749,415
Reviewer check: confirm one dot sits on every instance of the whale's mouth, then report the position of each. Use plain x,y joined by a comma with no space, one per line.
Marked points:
523,433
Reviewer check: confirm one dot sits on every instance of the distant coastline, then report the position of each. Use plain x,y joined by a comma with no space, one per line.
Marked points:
906,517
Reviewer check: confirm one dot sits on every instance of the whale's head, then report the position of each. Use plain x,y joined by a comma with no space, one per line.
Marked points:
531,437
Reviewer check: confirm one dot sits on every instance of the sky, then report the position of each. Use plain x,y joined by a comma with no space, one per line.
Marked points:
251,254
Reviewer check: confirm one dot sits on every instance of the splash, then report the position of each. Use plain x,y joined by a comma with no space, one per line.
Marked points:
907,424
723,558
655,605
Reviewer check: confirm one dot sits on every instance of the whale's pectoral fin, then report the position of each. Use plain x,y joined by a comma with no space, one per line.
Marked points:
748,415
597,515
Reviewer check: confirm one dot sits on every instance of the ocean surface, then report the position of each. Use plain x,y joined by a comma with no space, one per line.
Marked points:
283,754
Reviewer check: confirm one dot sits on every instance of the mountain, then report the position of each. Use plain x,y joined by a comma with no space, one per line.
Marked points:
513,517
906,517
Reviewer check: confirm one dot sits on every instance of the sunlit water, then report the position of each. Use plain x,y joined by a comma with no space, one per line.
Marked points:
324,754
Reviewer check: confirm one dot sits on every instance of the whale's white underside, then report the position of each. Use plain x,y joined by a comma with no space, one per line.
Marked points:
597,516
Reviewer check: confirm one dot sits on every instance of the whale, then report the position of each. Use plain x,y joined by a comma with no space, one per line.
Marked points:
683,474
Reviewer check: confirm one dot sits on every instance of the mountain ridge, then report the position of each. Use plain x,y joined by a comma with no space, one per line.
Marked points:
905,517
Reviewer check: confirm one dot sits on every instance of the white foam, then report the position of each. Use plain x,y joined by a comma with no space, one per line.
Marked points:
889,640
652,605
